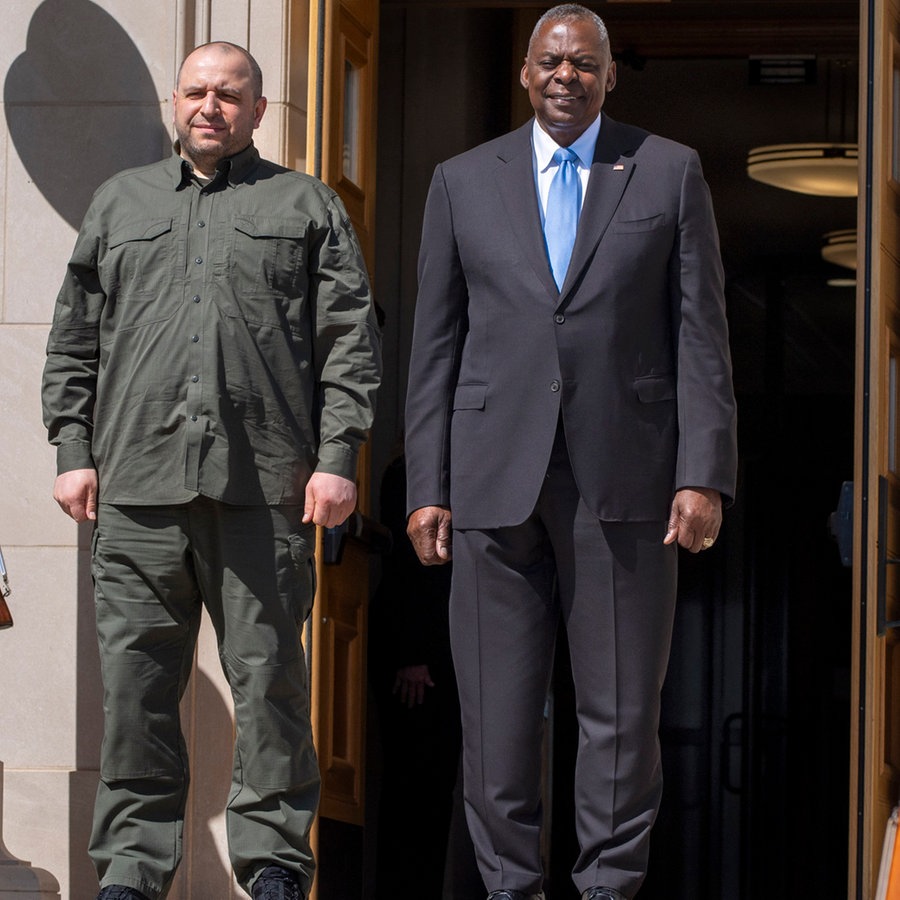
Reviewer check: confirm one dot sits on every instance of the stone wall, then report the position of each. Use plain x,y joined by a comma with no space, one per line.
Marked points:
87,92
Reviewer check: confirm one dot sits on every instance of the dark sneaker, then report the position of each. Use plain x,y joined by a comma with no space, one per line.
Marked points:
276,883
120,892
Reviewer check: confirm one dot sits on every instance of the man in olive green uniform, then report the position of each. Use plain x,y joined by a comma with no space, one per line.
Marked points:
210,377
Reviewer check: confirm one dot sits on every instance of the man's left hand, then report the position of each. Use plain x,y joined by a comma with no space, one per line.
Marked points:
329,499
696,518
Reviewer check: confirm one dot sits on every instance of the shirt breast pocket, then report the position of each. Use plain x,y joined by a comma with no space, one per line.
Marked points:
269,256
138,261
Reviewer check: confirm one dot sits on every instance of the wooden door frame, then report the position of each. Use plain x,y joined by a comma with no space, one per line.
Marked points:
336,633
875,773
862,551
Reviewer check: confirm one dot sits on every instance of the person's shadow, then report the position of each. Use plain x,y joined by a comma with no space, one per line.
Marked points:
81,104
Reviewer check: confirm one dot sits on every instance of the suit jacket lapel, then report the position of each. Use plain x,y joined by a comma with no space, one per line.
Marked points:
610,174
515,182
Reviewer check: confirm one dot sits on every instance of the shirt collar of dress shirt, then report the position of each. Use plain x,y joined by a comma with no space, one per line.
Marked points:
583,147
235,168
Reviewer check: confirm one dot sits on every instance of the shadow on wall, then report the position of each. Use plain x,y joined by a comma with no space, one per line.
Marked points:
80,104
206,719
205,870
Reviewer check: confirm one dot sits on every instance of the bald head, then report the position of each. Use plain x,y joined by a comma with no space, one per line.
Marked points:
226,48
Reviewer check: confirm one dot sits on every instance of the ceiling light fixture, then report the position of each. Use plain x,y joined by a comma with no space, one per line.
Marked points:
821,168
840,248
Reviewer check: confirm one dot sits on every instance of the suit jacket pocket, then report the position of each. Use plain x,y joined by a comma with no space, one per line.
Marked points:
635,226
653,388
469,396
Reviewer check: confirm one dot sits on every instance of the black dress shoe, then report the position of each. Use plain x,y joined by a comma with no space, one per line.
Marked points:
602,893
120,892
276,883
506,894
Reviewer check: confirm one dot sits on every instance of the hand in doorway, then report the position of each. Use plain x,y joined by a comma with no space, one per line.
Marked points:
410,683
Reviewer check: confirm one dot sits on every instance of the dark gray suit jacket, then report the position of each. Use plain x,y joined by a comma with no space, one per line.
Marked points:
633,350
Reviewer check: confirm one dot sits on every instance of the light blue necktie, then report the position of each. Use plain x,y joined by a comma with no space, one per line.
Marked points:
563,208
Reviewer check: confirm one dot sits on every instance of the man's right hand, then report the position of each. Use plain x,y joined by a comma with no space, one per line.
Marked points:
410,682
76,493
430,531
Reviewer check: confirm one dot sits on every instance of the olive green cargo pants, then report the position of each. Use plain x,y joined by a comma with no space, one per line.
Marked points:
154,568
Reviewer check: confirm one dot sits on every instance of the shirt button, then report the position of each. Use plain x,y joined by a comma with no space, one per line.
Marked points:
559,319
196,298
195,338
198,260
193,418
195,378
554,386
201,224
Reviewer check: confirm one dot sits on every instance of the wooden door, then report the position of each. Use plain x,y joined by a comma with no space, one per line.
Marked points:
341,151
875,746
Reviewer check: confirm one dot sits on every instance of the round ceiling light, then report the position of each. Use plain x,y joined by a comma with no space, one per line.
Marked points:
821,169
840,248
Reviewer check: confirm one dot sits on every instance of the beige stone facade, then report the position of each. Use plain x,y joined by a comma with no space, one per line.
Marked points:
87,92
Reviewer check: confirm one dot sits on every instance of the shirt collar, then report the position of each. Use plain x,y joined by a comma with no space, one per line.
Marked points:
583,147
234,168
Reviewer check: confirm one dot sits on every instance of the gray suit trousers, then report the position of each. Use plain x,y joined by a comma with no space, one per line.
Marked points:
613,586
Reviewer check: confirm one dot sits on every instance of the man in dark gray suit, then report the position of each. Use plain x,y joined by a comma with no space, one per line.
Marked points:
571,418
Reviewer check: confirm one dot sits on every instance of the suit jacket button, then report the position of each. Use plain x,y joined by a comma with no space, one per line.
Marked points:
559,318
554,386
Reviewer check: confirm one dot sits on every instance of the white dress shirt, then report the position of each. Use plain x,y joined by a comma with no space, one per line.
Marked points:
544,147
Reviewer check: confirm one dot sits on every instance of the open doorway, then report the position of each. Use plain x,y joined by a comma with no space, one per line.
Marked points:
756,705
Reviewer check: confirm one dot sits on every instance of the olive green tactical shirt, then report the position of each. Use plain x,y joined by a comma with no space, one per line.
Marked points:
214,339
